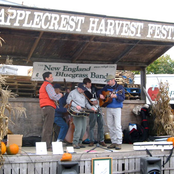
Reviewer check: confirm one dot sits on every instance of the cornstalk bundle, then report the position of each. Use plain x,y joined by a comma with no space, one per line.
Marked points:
162,111
5,94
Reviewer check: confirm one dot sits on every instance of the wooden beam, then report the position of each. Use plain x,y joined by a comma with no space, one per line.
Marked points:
34,46
127,50
82,50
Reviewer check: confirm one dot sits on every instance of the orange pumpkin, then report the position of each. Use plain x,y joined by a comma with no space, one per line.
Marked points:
13,149
3,148
66,157
171,139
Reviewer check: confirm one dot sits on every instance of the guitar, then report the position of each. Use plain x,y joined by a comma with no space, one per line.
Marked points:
108,99
77,114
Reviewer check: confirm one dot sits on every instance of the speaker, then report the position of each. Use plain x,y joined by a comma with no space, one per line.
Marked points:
150,165
69,167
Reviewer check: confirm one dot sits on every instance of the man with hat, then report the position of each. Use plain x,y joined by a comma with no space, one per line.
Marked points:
60,110
94,117
78,102
117,94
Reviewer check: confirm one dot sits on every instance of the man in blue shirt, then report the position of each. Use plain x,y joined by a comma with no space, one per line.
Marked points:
117,96
59,113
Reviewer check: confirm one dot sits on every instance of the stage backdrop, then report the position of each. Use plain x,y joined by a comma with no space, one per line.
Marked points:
74,72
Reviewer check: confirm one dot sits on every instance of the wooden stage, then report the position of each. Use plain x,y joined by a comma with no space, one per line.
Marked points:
124,161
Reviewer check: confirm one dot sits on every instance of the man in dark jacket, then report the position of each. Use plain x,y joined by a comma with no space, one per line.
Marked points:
60,110
117,94
94,116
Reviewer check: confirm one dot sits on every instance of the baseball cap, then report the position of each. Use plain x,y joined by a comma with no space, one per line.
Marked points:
109,77
81,85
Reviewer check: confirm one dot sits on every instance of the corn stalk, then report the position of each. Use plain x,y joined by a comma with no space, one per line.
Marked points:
162,111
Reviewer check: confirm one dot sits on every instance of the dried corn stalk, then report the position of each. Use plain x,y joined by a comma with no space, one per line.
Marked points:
5,94
162,111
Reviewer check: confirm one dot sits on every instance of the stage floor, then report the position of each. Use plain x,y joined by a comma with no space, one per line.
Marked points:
100,149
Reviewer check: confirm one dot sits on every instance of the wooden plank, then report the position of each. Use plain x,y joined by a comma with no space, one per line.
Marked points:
46,168
7,169
87,167
23,168
54,167
38,167
31,168
82,164
126,164
114,165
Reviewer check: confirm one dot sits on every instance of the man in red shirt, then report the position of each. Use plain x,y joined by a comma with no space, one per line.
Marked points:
47,98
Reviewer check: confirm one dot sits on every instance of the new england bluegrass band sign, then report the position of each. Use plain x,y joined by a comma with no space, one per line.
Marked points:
73,72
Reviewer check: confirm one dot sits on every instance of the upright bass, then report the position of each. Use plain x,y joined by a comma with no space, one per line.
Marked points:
69,121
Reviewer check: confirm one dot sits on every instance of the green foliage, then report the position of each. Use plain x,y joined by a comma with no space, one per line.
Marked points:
163,65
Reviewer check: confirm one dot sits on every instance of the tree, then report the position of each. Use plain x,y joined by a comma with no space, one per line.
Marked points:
163,65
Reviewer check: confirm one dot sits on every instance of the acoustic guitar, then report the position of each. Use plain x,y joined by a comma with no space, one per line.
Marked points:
108,99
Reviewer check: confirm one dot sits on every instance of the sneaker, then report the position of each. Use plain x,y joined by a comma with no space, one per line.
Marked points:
113,145
118,147
76,146
59,140
81,146
102,143
91,144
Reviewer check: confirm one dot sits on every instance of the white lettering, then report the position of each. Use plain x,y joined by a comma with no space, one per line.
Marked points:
37,19
150,30
170,30
2,16
93,25
46,15
63,24
110,27
72,24
118,26
101,28
11,15
140,26
125,28
80,20
20,16
26,20
54,22
160,31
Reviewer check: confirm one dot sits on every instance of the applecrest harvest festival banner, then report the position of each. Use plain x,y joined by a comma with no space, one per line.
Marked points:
73,72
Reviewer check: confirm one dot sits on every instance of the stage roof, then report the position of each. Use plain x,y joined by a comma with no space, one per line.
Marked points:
41,35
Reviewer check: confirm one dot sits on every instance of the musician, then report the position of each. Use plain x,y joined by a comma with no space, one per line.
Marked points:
94,117
114,110
78,102
47,98
60,110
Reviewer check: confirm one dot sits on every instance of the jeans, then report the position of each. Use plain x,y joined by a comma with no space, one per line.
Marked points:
63,127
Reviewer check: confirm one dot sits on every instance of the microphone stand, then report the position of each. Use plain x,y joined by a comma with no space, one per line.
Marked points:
97,145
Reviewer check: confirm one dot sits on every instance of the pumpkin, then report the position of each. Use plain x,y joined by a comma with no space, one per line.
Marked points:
3,148
171,139
66,157
13,149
